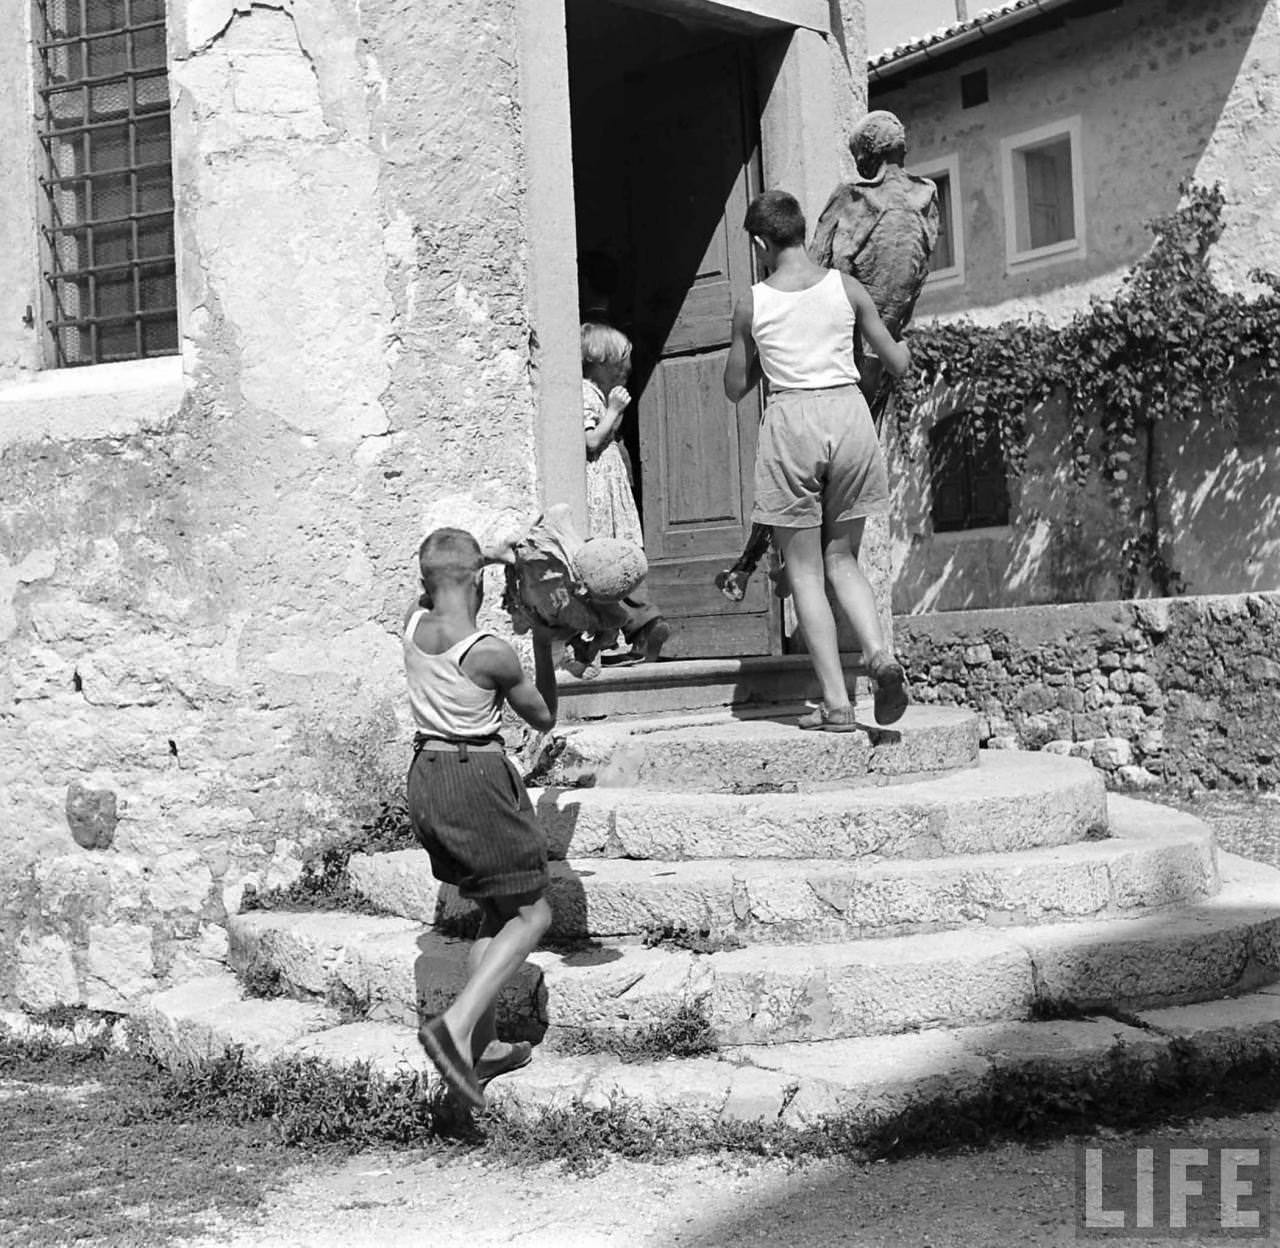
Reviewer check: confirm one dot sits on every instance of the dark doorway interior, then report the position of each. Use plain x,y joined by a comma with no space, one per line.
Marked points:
666,158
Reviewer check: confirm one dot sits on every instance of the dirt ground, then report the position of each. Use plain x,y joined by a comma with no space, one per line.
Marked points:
1003,1197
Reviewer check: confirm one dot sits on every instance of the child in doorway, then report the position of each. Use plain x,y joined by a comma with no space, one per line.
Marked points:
611,504
467,803
819,470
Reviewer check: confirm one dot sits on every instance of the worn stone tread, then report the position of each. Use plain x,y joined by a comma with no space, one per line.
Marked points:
761,748
859,1080
1226,944
1155,858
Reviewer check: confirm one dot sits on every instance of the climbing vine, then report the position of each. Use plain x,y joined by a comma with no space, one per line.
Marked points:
1169,345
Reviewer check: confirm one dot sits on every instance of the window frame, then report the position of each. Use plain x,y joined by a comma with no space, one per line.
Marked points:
1073,248
140,266
963,456
954,274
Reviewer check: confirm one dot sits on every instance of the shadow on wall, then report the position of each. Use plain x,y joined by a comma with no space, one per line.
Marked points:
1063,542
1224,500
1059,544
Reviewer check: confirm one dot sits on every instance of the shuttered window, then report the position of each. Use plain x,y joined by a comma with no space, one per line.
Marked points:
968,475
108,179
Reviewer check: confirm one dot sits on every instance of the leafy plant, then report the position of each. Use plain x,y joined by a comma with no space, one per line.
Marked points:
1169,346
686,1033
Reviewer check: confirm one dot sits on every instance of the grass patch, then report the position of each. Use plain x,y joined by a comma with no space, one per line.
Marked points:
86,1155
260,979
687,1033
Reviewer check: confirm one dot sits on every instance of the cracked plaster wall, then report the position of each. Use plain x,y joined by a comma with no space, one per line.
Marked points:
201,616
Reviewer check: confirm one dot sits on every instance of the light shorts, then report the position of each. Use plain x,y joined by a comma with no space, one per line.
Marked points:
818,460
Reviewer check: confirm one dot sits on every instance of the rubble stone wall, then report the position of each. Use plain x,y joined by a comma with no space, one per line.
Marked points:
1184,690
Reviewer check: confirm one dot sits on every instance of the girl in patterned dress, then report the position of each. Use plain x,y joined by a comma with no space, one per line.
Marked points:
611,503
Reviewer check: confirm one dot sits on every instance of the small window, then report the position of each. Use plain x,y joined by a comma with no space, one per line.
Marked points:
973,89
1044,194
968,475
108,258
946,264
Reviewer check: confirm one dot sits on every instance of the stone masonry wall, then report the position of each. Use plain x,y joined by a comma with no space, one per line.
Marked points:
1184,690
199,616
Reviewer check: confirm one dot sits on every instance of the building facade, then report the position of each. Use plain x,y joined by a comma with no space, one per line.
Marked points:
1056,130
284,287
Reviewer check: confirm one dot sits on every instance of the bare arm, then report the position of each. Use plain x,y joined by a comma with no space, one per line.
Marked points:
893,354
495,664
742,368
600,434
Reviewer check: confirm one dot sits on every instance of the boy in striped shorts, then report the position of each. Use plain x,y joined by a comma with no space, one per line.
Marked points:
467,803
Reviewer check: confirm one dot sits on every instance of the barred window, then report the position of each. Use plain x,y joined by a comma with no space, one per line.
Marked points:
104,129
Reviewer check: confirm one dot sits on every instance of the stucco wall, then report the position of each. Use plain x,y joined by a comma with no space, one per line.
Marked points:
1165,89
204,559
1063,542
199,615
1185,691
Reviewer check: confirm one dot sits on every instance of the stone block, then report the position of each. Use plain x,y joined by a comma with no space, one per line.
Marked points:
1112,752
91,815
45,975
119,966
179,881
1133,777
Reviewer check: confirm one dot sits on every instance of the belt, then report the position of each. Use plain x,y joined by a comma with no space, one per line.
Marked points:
487,745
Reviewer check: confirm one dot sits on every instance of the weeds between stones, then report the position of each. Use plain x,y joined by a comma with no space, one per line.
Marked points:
308,1103
699,940
324,883
260,979
686,1033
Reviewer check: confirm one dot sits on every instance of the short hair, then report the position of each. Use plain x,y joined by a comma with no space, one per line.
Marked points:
448,557
602,344
776,217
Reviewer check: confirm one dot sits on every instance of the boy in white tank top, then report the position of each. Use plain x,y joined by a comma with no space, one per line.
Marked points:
819,470
467,803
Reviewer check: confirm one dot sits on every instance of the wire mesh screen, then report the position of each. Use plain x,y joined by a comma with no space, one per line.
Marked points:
104,128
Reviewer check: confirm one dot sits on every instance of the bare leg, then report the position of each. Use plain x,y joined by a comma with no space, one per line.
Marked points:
841,543
848,582
484,1036
522,925
802,551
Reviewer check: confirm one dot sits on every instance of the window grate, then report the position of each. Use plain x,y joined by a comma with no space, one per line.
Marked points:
108,181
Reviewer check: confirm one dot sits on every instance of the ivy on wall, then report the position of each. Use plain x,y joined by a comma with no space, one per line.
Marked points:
1170,345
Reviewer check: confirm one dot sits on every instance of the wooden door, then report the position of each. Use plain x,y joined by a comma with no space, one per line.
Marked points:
693,168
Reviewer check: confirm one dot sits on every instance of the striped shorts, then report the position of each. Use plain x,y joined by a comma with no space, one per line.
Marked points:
471,813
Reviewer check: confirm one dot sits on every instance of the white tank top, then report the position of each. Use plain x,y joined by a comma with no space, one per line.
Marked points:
445,701
805,337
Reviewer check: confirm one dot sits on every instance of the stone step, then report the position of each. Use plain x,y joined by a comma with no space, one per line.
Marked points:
761,750
1155,857
681,685
1010,800
859,1081
773,994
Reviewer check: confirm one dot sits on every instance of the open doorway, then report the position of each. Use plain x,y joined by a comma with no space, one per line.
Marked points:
666,157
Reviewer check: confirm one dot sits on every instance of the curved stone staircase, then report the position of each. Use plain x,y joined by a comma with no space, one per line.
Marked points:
862,919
